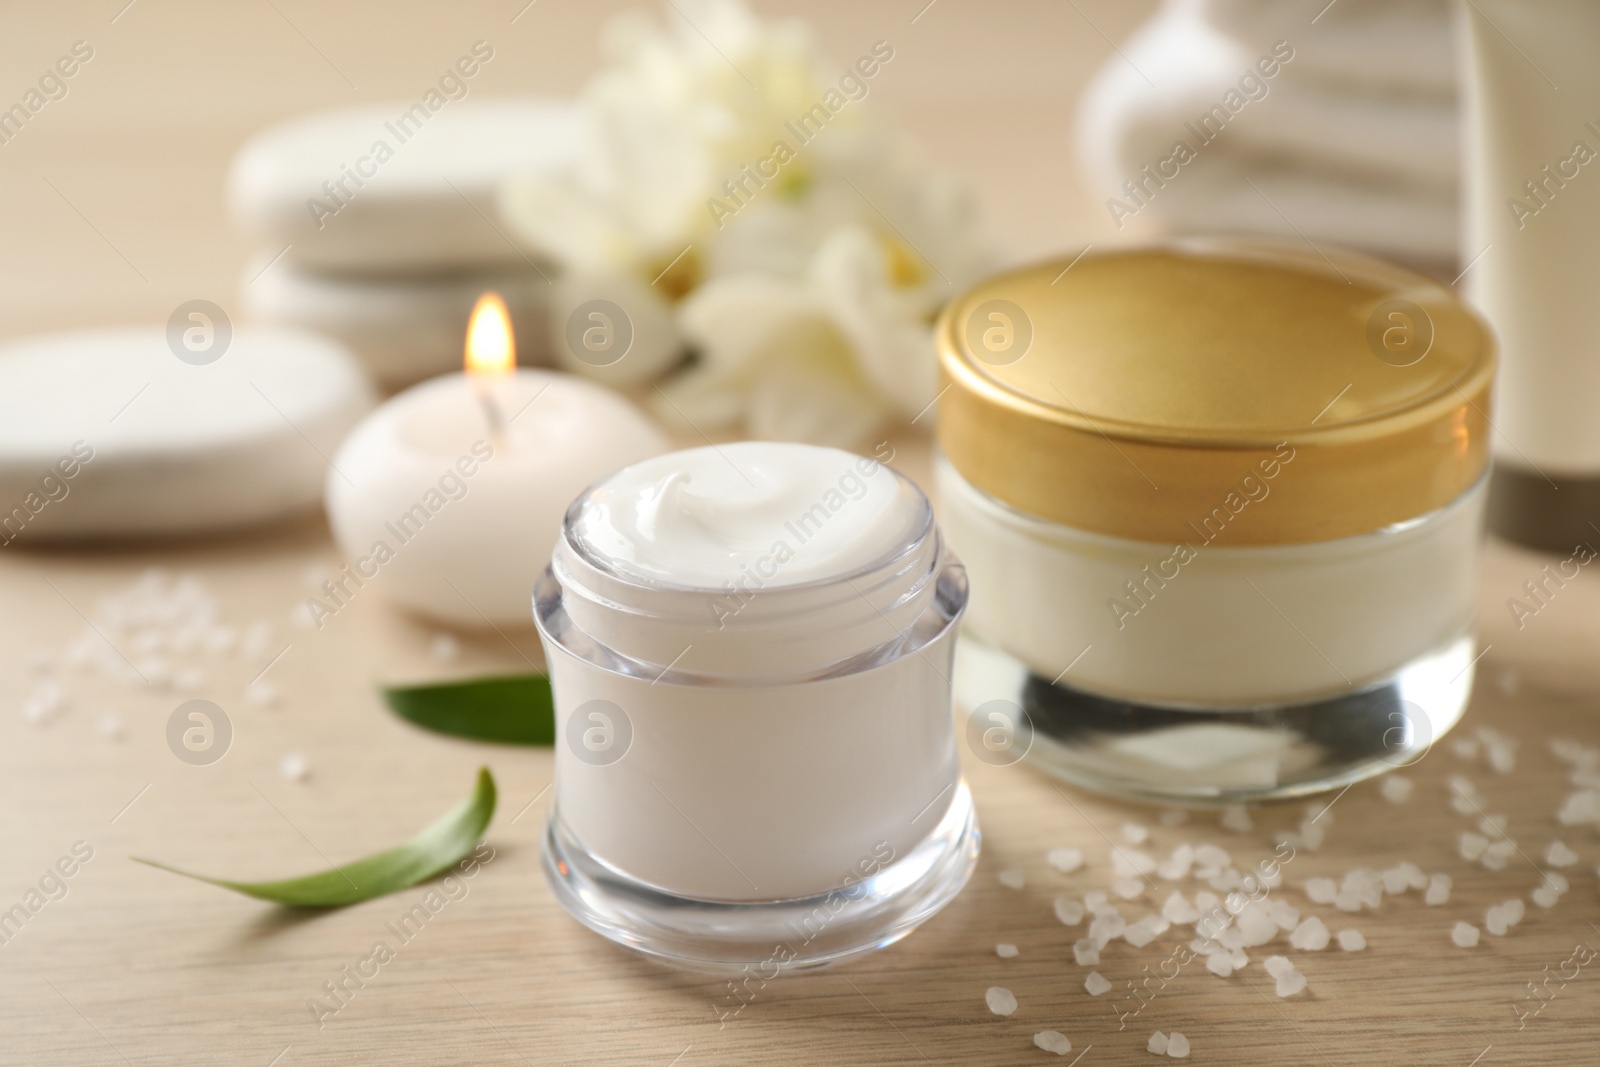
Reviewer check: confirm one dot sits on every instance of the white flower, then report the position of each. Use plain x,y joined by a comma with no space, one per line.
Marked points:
740,199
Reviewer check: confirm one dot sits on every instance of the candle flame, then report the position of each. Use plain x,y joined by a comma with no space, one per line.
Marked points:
490,348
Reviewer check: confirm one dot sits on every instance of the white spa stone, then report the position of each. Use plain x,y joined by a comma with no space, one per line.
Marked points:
402,329
158,446
430,206
472,553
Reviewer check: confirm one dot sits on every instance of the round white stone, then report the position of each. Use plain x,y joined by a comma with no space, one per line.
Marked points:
158,446
402,329
430,206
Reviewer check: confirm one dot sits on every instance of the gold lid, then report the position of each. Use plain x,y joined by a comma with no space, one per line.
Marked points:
1139,392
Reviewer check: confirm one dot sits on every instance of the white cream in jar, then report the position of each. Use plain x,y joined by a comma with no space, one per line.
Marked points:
750,649
1221,505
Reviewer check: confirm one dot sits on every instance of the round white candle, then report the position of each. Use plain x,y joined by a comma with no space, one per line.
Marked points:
109,433
447,518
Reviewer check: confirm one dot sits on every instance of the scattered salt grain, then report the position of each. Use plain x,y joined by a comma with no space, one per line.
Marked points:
1352,940
1396,790
1395,881
1310,936
1065,860
294,767
444,647
1013,877
1069,911
1006,951
1464,934
1135,834
1130,862
1094,899
1237,819
1323,890
1290,984
1139,934
1053,1041
1438,890
1278,966
1471,845
1500,918
1000,1000
1546,896
1177,1045
1493,825
1179,910
1128,888
1498,855
1157,1043
1219,964
1559,855
1286,915
1086,951
1097,984
1557,881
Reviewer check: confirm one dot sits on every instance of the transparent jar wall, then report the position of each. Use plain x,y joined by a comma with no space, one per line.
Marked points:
1232,627
739,789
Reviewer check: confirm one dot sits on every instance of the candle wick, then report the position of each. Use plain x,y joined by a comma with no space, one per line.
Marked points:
493,416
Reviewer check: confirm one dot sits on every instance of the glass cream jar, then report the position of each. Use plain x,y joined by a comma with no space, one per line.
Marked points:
750,648
1220,502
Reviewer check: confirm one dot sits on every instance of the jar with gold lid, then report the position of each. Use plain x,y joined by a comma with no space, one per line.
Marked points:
1220,503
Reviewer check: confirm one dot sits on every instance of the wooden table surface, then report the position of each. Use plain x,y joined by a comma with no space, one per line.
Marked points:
133,965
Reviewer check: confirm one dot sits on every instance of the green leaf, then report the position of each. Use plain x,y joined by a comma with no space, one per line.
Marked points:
433,851
515,709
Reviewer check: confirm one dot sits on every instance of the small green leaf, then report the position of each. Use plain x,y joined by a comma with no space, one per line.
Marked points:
515,709
431,852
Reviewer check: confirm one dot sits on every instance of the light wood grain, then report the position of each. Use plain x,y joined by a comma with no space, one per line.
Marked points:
136,966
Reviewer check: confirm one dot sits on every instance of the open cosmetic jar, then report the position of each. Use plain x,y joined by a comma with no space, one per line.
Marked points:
1220,503
750,648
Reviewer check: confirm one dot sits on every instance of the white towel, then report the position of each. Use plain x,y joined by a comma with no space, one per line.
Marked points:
1313,132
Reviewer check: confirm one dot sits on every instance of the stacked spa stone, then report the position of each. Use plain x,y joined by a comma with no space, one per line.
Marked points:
379,227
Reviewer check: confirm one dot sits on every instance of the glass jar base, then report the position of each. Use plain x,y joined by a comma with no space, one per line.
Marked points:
767,938
1212,756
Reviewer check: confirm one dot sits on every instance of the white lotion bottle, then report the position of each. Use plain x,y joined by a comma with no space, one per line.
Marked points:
1532,241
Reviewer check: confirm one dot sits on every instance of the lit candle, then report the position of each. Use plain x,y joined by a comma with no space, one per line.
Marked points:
448,499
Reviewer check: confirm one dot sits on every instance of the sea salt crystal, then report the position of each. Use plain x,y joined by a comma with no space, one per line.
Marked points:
1557,881
1135,834
294,767
1415,879
1013,877
1278,966
1289,984
1006,951
1464,934
1097,984
1069,911
1094,899
1219,964
1395,881
1128,888
1106,926
1546,896
1498,855
1396,789
1256,924
1323,890
1139,934
1179,910
1086,951
1209,855
1580,807
1053,1041
1471,846
1130,862
1310,936
1347,900
1492,825
444,647
1559,855
1157,1043
1000,1000
1438,889
1352,940
1236,818
1065,860
1286,915
1177,1045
